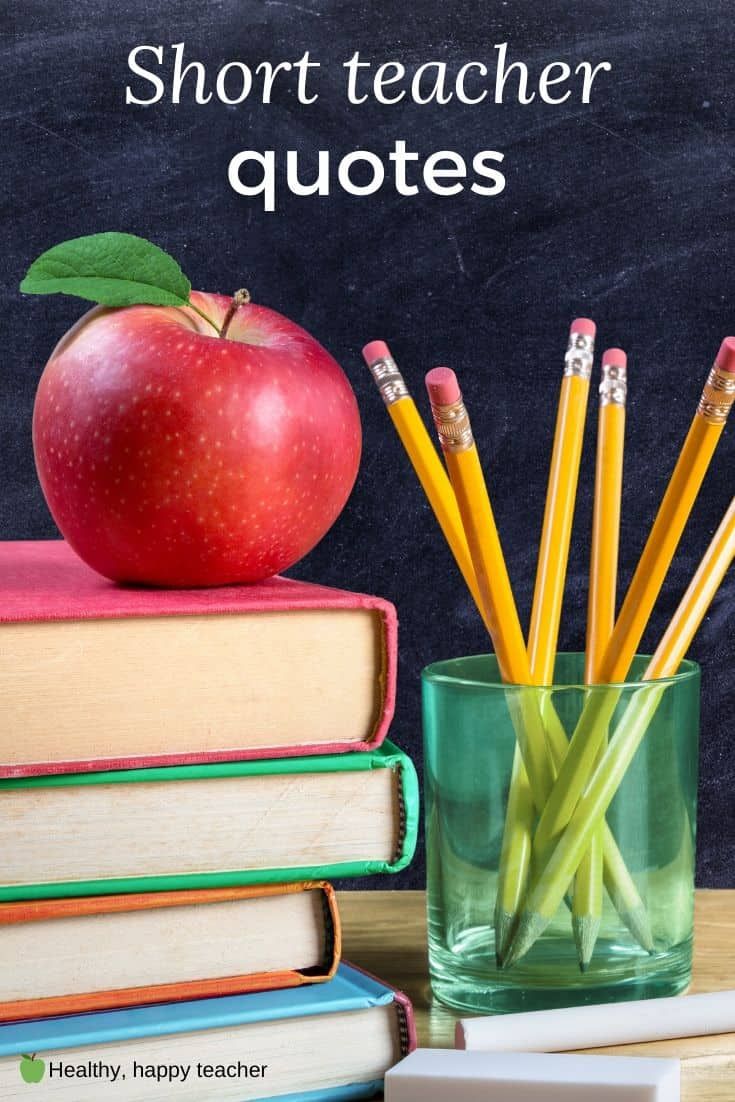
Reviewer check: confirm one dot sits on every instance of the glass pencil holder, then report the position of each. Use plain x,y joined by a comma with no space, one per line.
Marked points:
638,898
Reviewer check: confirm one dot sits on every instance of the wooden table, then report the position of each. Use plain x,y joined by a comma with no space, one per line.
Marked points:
385,932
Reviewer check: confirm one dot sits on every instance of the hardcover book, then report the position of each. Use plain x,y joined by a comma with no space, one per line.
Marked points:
328,1041
199,826
105,952
275,669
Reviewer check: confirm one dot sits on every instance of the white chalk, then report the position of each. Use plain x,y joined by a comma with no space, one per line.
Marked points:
598,1026
442,1074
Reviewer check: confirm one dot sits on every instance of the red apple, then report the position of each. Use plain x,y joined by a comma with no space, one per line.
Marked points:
171,456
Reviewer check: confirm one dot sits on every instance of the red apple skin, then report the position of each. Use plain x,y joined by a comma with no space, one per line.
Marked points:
172,457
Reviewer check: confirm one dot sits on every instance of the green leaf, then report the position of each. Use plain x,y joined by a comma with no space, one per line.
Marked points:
114,269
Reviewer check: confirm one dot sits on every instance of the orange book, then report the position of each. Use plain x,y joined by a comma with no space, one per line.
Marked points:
71,956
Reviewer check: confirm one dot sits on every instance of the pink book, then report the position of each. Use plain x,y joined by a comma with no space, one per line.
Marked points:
98,676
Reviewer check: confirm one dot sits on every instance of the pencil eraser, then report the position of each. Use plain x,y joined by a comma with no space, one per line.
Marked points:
439,1074
442,385
375,350
726,356
585,326
614,357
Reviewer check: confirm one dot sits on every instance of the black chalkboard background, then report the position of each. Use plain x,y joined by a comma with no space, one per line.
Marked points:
620,210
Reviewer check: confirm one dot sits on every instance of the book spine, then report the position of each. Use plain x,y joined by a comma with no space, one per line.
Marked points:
404,1006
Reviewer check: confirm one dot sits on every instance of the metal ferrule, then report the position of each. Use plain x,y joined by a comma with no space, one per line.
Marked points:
578,358
453,426
717,397
614,385
389,380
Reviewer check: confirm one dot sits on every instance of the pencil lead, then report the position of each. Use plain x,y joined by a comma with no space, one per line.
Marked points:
530,926
636,919
585,928
504,921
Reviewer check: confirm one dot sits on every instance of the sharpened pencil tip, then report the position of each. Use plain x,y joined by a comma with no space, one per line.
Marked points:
530,926
504,922
585,928
636,919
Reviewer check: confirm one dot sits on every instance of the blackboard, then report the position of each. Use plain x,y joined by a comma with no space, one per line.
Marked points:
620,209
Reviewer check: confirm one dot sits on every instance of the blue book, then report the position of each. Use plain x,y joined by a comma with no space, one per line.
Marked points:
327,1041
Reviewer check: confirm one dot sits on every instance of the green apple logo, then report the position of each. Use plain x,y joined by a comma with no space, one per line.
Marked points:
31,1069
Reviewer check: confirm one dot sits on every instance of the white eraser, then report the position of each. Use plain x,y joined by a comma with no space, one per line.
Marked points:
599,1026
441,1074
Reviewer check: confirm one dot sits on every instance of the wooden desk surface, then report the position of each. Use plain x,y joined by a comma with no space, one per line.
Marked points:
385,932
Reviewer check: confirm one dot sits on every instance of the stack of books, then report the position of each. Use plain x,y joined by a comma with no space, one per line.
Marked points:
182,773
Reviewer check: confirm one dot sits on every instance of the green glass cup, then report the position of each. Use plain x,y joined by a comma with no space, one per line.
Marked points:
469,742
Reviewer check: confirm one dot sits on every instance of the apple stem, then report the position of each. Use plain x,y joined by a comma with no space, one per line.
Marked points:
240,298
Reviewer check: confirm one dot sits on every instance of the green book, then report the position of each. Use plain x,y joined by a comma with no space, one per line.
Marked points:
216,825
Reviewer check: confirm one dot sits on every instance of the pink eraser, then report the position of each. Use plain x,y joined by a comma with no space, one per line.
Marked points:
584,326
614,357
726,356
375,350
442,385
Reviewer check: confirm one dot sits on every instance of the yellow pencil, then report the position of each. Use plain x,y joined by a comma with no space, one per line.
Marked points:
693,606
561,496
465,474
696,454
606,512
423,456
588,883
468,483
437,487
552,881
536,761
551,574
678,501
